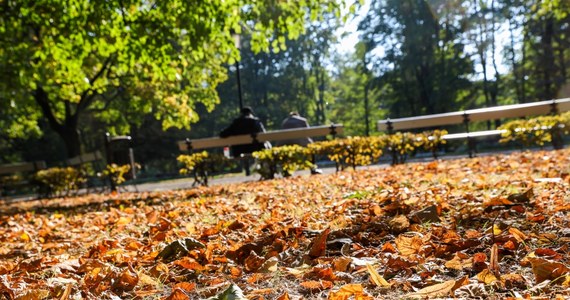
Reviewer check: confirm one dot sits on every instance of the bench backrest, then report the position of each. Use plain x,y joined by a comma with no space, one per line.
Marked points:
22,167
84,158
270,136
481,114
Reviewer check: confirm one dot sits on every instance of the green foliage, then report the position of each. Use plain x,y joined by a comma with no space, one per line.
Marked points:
284,160
116,173
403,144
202,162
535,131
432,140
59,181
352,151
118,61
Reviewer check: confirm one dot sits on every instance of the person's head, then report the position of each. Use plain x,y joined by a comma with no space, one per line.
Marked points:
293,113
246,111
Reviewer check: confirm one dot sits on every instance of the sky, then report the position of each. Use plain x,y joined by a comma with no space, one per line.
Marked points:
348,34
348,37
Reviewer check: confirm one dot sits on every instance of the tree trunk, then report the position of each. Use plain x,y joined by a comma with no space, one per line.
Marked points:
71,138
68,130
548,59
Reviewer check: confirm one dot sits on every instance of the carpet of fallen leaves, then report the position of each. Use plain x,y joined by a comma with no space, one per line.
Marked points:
491,227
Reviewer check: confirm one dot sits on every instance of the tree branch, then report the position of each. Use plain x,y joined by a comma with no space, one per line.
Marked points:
41,98
87,97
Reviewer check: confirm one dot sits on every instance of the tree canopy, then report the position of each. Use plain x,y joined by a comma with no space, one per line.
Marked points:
120,60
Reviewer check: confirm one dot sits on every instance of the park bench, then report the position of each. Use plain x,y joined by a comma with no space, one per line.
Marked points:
475,115
15,176
271,136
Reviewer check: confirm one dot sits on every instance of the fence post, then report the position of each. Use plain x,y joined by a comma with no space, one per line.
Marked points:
471,146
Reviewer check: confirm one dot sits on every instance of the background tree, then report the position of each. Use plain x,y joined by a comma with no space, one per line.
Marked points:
122,60
423,59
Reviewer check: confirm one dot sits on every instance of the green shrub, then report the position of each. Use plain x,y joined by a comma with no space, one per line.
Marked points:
430,141
59,181
536,131
351,151
116,174
402,144
283,159
199,164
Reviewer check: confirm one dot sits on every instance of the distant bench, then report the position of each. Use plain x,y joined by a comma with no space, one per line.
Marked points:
262,137
25,168
474,115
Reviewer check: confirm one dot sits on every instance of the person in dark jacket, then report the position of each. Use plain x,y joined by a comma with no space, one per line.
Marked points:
296,121
246,123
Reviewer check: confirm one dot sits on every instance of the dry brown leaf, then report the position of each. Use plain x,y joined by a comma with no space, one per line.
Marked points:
376,278
319,246
518,235
494,261
486,277
185,286
313,285
407,245
437,290
544,269
341,264
284,296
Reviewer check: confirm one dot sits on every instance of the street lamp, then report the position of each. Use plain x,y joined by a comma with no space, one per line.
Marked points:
237,43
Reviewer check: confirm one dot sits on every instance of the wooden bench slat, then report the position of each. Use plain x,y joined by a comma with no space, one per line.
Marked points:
84,158
22,167
456,136
270,136
480,114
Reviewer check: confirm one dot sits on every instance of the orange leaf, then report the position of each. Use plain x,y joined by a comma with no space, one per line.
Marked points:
349,290
186,286
189,263
544,269
319,246
177,294
285,296
314,286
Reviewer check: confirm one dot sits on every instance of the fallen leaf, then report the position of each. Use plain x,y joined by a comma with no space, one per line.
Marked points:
486,277
407,245
349,290
437,290
313,285
376,278
544,269
233,292
319,246
179,247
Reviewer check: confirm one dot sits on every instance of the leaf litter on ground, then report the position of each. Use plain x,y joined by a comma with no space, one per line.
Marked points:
488,227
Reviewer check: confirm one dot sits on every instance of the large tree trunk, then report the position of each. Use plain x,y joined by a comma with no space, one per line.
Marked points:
68,129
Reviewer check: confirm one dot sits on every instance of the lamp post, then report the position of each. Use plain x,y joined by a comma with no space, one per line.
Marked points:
237,43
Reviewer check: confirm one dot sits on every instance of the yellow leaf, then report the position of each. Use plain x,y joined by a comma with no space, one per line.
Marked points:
25,237
486,277
436,290
376,278
123,221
